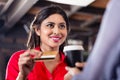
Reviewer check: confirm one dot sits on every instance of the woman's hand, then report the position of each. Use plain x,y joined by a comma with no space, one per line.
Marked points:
73,71
26,62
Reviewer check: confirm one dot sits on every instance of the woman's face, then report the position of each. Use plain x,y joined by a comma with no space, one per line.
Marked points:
53,31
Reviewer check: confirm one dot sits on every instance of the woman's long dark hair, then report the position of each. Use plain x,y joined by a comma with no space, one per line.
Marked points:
33,38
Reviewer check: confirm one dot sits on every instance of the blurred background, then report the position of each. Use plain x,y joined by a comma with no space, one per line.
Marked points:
16,15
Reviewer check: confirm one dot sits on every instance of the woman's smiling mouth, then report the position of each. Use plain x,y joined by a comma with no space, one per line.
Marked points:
55,38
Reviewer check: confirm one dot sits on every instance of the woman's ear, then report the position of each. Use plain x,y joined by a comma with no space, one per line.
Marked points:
37,31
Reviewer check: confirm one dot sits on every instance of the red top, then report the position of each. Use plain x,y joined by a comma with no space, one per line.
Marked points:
39,72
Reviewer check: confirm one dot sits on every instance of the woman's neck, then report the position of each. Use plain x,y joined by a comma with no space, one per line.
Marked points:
47,48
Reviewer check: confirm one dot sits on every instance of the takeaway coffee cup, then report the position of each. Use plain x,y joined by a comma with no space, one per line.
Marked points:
73,53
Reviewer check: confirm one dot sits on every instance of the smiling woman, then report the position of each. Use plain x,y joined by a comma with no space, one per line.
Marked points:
53,31
48,33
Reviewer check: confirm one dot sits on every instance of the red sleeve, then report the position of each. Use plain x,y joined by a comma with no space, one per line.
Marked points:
12,66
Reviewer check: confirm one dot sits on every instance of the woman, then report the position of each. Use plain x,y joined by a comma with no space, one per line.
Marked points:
48,32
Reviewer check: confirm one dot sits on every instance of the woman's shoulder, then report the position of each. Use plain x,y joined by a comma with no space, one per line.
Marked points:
16,55
13,61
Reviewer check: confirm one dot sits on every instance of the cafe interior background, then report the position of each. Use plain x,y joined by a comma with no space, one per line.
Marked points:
15,16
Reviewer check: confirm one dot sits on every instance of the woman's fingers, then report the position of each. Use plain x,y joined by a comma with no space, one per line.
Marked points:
27,58
35,53
25,62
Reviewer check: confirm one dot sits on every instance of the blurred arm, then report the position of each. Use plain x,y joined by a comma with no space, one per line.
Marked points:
107,37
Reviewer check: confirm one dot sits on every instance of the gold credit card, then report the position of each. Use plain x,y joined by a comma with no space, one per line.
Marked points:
46,55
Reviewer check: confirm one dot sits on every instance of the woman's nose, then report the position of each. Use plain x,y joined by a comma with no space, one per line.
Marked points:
56,30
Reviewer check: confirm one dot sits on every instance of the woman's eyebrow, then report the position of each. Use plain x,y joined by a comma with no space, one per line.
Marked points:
59,23
63,23
51,22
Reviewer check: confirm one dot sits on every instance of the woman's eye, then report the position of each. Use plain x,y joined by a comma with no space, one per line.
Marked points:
62,26
50,25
